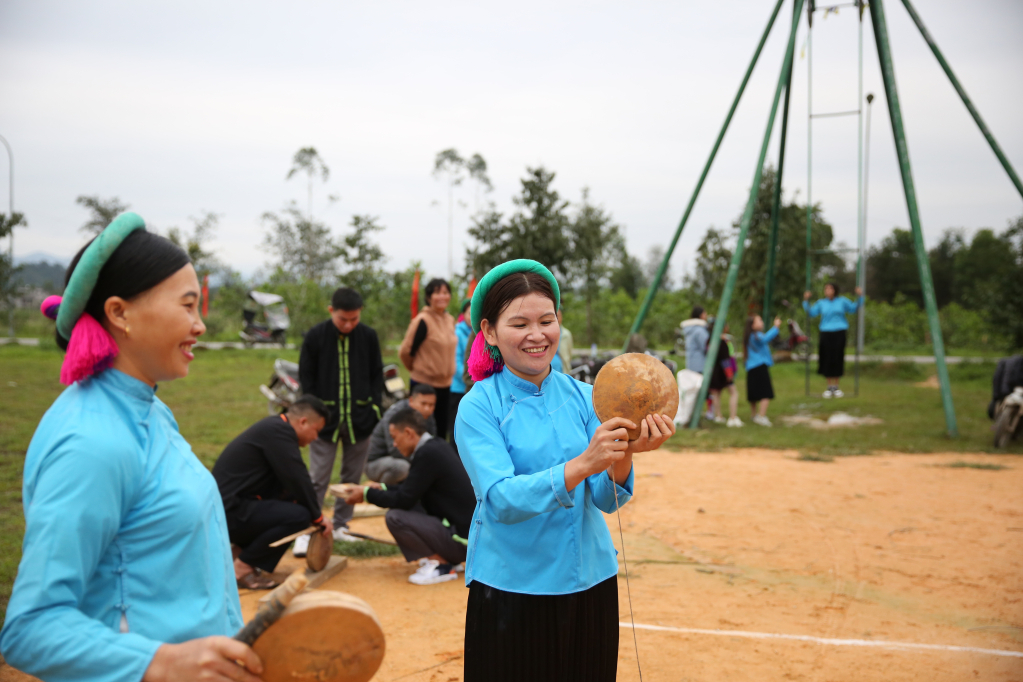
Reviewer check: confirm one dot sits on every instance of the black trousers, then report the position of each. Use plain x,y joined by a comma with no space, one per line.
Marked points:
254,524
452,413
510,637
440,414
831,354
420,535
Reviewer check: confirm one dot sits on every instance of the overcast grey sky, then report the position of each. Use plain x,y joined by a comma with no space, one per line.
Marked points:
189,106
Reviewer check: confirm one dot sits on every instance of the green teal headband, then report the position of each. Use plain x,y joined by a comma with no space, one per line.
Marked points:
83,279
499,273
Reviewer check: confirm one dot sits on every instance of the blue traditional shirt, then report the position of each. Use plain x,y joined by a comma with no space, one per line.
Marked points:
463,332
833,312
758,350
529,534
126,543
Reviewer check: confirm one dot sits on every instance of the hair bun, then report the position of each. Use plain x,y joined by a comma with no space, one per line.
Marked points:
50,306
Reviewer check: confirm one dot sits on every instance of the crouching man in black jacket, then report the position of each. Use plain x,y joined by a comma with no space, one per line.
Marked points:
437,481
266,488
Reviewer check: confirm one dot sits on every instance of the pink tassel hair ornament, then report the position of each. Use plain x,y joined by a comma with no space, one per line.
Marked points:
484,359
90,350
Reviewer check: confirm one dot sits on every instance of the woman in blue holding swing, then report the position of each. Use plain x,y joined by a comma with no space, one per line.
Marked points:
541,568
832,310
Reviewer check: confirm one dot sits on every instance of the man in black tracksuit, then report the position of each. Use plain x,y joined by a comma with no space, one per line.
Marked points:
266,489
341,365
430,512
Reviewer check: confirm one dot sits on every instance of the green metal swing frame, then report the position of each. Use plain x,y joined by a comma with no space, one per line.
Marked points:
880,30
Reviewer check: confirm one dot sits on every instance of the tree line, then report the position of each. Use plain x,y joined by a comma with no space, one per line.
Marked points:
978,281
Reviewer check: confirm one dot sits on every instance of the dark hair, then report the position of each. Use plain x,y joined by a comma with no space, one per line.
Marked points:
308,404
465,304
407,417
423,389
746,333
507,289
433,285
142,261
833,285
697,311
346,299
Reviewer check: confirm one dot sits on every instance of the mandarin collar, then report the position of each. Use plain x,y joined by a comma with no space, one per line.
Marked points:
527,386
118,380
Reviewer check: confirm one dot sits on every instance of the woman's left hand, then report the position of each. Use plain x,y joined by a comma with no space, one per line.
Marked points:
859,291
653,432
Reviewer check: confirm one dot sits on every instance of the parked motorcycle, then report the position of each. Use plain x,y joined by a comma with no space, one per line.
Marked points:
274,312
796,343
1006,408
284,387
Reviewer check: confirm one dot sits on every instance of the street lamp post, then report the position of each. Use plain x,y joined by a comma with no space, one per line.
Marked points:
10,248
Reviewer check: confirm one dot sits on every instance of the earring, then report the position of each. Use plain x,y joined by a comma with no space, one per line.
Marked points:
127,330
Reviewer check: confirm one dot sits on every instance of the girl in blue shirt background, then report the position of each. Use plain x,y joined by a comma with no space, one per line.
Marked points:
540,567
832,310
126,571
757,351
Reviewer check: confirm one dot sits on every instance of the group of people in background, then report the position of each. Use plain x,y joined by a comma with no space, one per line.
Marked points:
758,358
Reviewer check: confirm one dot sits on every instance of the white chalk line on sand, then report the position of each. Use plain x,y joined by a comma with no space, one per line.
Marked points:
880,644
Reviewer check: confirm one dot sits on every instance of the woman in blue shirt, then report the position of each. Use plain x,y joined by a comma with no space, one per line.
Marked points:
541,568
757,349
126,570
832,310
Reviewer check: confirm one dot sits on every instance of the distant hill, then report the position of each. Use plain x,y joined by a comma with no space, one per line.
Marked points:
48,276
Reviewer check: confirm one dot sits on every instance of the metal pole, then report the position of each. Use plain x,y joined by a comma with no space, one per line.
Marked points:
860,241
963,96
733,268
861,330
895,111
10,248
772,242
809,181
656,283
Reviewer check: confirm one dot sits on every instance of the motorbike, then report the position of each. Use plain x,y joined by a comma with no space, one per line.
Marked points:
1006,408
274,312
586,367
284,387
796,343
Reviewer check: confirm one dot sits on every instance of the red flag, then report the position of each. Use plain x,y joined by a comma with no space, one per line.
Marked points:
415,294
472,286
205,295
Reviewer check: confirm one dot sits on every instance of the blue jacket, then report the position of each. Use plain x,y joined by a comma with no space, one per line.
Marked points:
529,534
463,332
833,312
126,545
696,334
758,352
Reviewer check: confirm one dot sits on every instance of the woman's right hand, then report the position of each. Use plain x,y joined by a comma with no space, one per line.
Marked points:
608,445
806,295
210,659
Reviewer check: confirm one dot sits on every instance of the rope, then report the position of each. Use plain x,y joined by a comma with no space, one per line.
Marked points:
628,587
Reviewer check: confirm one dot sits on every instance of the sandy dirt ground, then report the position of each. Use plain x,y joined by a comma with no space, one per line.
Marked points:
886,548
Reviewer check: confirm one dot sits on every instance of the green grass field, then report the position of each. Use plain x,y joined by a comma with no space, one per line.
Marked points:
220,399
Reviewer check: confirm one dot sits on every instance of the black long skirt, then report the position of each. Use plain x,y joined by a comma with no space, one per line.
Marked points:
758,384
512,637
831,354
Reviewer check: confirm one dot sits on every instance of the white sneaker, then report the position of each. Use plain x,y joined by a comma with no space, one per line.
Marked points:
827,393
429,574
734,421
719,419
837,392
762,421
301,546
341,535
